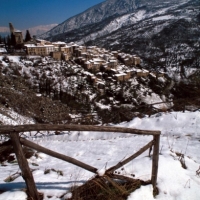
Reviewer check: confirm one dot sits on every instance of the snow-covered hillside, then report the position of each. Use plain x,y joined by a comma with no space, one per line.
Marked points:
105,10
180,139
164,33
179,160
140,15
69,83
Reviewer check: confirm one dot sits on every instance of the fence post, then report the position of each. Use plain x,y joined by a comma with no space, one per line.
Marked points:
155,160
23,164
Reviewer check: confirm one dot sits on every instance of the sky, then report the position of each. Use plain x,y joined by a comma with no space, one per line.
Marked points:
25,14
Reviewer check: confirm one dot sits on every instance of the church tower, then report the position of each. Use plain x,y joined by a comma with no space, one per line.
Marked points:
17,34
12,30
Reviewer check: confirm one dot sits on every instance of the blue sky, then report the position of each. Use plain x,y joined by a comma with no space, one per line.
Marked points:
29,13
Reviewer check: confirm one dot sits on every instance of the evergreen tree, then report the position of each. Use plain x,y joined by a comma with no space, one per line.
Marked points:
28,36
4,40
8,40
12,40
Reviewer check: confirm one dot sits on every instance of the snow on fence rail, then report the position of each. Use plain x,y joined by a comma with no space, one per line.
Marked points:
18,141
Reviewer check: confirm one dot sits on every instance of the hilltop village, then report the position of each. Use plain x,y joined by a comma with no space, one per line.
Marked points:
88,78
119,65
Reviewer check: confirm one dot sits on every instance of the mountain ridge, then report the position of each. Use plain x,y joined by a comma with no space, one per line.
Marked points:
36,30
101,12
164,36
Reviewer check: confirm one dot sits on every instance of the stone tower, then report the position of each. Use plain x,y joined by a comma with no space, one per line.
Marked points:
12,30
18,34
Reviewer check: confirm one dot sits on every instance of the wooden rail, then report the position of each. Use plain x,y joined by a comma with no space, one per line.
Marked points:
57,155
17,142
64,127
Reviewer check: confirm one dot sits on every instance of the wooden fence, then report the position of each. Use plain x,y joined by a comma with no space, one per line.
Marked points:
18,141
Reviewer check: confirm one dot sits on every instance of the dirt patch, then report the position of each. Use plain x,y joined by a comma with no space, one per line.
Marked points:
6,151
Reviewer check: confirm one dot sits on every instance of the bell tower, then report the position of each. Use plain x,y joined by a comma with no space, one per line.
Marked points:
12,30
17,34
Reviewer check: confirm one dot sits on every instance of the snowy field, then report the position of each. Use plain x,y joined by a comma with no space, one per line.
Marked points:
180,134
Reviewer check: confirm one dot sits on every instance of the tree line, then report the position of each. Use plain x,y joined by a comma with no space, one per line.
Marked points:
9,40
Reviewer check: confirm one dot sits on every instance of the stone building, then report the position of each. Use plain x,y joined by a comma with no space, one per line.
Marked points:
17,34
39,49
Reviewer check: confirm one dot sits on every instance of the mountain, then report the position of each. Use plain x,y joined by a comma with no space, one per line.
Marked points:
164,39
165,34
4,31
37,30
92,15
109,9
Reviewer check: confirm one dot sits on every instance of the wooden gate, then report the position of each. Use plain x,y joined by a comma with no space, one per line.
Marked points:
18,141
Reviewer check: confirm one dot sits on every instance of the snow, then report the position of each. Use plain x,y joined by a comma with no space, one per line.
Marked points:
152,99
117,24
14,58
165,17
13,118
11,58
102,106
161,79
180,134
3,50
18,195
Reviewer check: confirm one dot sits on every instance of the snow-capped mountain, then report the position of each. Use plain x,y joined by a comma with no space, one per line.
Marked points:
109,9
165,34
36,30
39,29
166,38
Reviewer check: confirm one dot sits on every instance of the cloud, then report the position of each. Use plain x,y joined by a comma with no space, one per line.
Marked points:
4,29
37,30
